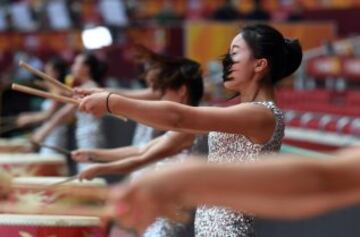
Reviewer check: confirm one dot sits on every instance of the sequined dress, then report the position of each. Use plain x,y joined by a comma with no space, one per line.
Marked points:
228,148
163,227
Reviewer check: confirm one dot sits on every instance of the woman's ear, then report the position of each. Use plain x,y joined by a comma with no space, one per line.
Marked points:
261,65
182,93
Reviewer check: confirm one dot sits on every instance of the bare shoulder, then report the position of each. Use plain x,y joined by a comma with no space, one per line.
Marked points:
255,111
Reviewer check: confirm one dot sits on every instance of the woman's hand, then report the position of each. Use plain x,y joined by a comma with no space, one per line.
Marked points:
38,135
90,173
83,155
140,202
94,104
24,119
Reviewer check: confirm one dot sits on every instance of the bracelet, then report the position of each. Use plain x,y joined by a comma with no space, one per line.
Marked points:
107,102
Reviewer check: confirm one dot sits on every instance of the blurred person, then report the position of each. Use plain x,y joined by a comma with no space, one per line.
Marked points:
279,187
87,70
56,68
167,14
226,12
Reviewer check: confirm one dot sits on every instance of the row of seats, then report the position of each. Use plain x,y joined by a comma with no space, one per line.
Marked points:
324,122
322,110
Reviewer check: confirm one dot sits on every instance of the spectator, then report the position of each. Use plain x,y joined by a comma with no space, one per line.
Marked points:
258,13
226,12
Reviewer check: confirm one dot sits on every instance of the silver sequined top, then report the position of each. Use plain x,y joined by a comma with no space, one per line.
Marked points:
227,148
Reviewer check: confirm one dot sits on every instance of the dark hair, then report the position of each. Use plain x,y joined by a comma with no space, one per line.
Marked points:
60,66
284,56
182,72
97,67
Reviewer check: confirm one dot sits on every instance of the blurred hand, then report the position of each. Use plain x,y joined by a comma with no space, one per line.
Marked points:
94,104
89,173
140,202
37,136
24,120
82,155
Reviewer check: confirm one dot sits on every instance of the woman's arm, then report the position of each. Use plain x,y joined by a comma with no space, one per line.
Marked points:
254,121
168,145
291,187
29,118
139,94
108,155
60,117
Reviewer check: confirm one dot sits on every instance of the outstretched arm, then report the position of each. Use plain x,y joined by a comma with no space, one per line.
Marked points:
139,94
108,155
60,117
243,119
29,118
167,145
286,186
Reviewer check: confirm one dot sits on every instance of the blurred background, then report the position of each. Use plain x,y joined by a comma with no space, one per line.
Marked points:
321,99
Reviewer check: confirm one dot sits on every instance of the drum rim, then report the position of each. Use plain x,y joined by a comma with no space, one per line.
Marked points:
16,158
97,182
49,220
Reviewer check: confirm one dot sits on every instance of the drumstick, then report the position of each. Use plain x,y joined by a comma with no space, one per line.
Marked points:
56,97
40,93
55,148
46,77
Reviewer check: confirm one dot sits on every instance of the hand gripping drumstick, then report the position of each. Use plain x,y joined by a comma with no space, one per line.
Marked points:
48,95
61,86
68,90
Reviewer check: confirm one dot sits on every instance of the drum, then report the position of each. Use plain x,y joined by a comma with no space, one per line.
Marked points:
33,164
13,145
24,194
12,225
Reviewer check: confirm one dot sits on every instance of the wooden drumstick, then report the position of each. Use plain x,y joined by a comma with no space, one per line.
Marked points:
46,77
51,147
40,93
56,97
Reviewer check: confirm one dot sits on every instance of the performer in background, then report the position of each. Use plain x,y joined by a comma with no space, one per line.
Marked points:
87,70
182,84
56,68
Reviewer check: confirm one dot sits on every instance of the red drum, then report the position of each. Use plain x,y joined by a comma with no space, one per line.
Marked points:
25,194
33,164
50,226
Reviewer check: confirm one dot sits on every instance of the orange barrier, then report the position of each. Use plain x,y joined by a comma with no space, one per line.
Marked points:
208,41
